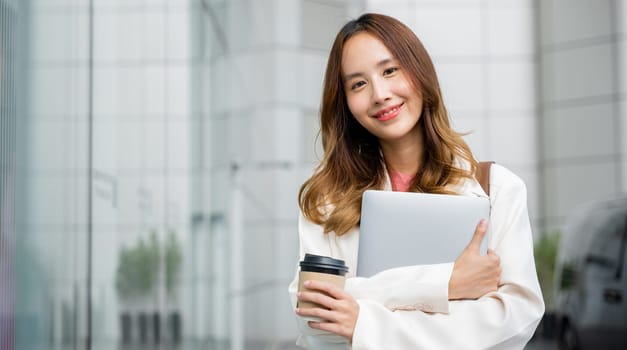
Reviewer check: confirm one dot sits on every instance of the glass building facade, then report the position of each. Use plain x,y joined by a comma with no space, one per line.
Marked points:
152,176
8,125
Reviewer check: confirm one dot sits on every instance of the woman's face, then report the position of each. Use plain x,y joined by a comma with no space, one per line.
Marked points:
378,93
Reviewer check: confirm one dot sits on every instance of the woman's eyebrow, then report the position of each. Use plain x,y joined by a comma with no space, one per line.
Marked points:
381,63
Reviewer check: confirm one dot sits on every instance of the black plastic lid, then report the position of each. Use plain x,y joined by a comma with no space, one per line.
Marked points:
318,262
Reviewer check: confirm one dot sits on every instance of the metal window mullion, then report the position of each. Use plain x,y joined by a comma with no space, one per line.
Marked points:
3,269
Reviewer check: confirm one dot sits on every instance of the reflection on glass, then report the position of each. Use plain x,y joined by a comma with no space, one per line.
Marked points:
592,284
116,78
137,278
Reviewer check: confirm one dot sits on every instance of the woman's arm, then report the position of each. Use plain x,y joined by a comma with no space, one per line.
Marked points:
507,316
430,287
505,319
473,276
422,287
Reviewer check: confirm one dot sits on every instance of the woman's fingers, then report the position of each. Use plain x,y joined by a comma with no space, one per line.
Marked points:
333,327
321,299
477,238
324,314
325,287
338,309
473,274
341,321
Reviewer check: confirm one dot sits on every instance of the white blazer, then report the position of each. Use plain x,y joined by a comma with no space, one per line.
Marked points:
408,307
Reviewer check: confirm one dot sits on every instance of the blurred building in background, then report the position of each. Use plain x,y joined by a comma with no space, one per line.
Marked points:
152,150
583,117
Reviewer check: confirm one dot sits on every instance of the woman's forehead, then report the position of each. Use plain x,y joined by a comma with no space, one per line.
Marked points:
364,50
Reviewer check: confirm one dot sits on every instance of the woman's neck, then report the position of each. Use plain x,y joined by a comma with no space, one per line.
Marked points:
403,156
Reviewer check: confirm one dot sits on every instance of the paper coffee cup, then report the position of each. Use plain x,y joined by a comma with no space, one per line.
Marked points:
320,268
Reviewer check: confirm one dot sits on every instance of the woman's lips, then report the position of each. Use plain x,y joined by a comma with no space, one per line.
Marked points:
388,113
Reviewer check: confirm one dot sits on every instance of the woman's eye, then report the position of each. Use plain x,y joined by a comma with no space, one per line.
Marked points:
390,71
357,85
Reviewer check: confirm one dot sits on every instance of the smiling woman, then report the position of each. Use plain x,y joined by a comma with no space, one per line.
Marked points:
378,78
384,126
380,99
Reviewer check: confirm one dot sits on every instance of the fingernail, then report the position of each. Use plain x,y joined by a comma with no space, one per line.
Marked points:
307,283
483,223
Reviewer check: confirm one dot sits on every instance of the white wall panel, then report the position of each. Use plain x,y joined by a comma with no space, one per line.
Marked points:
129,90
513,139
462,85
105,143
287,30
154,146
250,25
510,30
130,34
154,91
130,157
178,149
403,10
310,88
450,31
511,86
571,185
321,20
154,42
265,129
55,27
575,20
584,131
582,72
178,92
177,35
48,137
622,58
288,81
49,86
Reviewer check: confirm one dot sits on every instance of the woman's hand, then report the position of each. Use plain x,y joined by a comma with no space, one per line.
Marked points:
473,274
339,309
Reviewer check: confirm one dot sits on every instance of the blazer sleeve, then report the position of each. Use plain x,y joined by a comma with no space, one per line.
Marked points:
505,319
421,287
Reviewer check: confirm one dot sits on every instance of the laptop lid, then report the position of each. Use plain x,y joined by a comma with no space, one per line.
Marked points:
407,228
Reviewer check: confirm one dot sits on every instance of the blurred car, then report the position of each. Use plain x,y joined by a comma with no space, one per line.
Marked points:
591,281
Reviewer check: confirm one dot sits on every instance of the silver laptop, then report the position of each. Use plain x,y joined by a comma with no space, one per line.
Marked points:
406,228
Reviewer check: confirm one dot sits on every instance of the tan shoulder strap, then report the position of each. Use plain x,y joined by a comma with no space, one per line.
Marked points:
483,176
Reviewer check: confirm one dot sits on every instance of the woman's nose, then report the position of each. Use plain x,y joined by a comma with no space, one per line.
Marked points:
380,92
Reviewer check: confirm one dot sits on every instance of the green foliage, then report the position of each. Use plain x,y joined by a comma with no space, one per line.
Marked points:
173,259
545,253
138,267
569,276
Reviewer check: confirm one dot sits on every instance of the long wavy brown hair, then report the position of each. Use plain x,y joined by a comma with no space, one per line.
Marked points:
352,160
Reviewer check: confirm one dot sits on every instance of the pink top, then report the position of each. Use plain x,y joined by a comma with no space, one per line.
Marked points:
400,181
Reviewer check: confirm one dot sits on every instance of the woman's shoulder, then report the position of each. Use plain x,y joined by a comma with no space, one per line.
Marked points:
503,181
